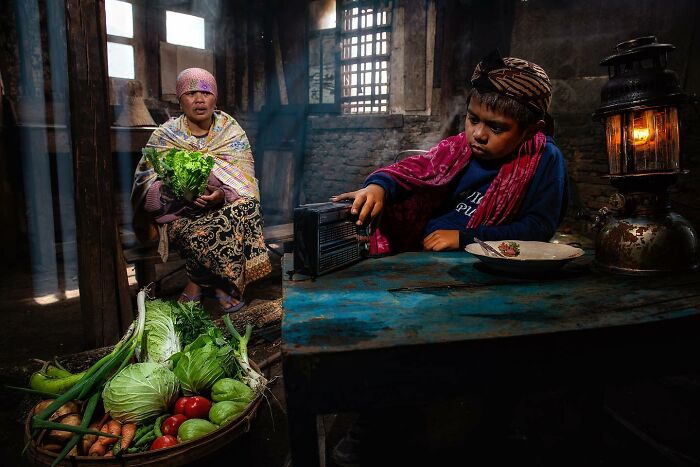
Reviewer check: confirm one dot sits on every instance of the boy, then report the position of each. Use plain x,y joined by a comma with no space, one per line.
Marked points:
500,179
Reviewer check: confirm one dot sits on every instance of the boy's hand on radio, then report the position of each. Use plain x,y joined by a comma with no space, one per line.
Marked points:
368,202
441,240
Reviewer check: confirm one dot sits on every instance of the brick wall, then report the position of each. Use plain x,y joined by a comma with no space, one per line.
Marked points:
341,151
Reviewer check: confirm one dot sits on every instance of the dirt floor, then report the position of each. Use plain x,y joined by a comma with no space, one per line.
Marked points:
651,423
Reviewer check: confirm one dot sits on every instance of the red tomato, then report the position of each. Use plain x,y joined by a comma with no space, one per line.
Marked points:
164,442
197,407
172,424
180,405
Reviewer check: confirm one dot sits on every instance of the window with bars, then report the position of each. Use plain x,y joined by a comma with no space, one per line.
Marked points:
365,34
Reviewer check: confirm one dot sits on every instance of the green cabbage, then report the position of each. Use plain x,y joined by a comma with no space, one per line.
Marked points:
201,363
140,392
185,173
162,340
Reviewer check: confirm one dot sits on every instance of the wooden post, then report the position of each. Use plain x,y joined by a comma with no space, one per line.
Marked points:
104,296
279,66
414,54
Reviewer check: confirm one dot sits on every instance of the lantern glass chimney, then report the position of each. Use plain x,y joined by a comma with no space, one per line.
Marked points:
643,141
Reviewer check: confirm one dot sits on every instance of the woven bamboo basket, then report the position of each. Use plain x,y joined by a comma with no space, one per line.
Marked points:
180,454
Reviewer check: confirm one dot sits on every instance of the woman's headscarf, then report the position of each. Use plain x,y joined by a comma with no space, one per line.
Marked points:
523,81
195,79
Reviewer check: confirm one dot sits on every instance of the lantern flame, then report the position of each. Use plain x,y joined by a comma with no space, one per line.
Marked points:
641,136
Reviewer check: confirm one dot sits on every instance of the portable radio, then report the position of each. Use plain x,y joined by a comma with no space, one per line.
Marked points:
326,238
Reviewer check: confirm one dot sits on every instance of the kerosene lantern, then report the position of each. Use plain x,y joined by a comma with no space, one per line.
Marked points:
639,108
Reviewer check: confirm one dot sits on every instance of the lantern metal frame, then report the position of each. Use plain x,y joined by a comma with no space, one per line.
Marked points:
638,233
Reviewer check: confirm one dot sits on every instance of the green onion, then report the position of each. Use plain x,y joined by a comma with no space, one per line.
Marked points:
33,391
252,378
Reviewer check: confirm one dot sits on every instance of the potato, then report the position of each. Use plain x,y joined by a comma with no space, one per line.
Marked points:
41,405
61,436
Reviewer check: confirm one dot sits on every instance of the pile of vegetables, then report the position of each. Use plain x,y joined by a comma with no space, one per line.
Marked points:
173,377
185,173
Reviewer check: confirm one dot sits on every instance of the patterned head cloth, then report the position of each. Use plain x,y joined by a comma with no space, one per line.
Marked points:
523,81
195,79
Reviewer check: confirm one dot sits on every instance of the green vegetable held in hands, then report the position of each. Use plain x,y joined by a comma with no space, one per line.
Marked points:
229,389
184,172
194,428
225,412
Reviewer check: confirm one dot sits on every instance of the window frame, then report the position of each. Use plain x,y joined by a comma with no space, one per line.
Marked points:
131,41
342,6
319,34
323,108
208,32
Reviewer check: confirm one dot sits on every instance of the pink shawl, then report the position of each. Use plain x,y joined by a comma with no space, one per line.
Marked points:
428,177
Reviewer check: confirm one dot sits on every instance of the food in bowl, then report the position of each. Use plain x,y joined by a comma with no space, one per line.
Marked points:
509,249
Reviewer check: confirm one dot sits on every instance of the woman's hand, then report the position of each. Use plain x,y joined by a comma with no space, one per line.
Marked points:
369,202
214,199
441,240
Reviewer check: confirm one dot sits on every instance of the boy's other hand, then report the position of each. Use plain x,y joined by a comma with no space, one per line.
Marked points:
441,240
368,202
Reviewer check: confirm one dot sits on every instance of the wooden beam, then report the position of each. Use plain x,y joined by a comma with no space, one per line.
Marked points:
414,54
104,296
154,33
279,66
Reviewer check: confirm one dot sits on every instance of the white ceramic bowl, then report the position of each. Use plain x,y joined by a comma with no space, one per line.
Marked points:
534,256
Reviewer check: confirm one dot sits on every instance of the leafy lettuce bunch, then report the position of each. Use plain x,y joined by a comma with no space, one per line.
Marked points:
185,173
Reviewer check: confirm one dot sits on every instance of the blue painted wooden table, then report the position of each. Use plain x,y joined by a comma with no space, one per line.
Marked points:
389,331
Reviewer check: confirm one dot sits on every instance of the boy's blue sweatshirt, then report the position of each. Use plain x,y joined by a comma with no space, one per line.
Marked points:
538,218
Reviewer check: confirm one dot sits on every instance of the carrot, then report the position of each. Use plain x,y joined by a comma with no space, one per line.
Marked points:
128,432
89,440
97,449
109,453
101,445
113,428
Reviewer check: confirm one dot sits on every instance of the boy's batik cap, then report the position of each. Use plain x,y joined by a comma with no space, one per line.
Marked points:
195,79
523,81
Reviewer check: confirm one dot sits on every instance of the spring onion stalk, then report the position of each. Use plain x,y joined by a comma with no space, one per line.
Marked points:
51,395
87,415
91,384
72,428
252,378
